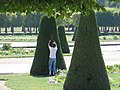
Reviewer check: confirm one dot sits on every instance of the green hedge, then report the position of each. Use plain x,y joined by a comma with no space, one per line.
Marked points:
41,57
63,40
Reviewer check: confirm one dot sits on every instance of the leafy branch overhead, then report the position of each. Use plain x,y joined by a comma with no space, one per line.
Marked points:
52,7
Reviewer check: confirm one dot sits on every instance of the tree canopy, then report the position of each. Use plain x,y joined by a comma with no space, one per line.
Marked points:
52,7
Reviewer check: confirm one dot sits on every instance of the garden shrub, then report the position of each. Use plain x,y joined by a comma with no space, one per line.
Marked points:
6,46
104,38
41,57
115,37
75,33
61,76
113,68
63,40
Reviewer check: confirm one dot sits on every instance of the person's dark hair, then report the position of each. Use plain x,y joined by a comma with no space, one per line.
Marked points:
52,43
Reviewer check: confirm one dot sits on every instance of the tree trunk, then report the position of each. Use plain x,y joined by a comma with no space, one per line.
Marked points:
41,57
5,29
30,29
0,29
23,29
36,30
12,29
87,70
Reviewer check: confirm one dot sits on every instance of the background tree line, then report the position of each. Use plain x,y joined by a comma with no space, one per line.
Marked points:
106,3
104,19
20,20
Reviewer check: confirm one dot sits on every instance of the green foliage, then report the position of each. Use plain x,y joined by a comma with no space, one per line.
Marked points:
6,46
109,18
18,38
104,38
75,34
112,10
5,53
113,68
115,37
63,40
57,7
41,57
87,64
109,38
16,53
115,0
61,76
109,3
19,20
59,79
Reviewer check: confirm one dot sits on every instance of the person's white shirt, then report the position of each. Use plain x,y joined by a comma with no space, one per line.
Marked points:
53,51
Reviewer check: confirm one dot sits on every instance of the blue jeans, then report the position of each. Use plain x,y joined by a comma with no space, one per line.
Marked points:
52,66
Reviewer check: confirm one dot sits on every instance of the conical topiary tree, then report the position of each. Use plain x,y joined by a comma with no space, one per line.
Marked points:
75,34
41,57
87,70
63,40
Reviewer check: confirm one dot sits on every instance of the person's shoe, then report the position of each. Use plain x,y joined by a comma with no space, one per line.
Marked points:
50,73
53,74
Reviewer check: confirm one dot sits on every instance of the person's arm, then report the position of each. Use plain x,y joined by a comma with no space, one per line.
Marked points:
56,45
49,43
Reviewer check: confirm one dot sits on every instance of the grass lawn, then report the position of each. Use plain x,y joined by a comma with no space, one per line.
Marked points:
33,38
27,82
18,38
27,52
115,82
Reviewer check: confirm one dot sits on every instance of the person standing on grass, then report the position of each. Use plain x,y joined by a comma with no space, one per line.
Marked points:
52,56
